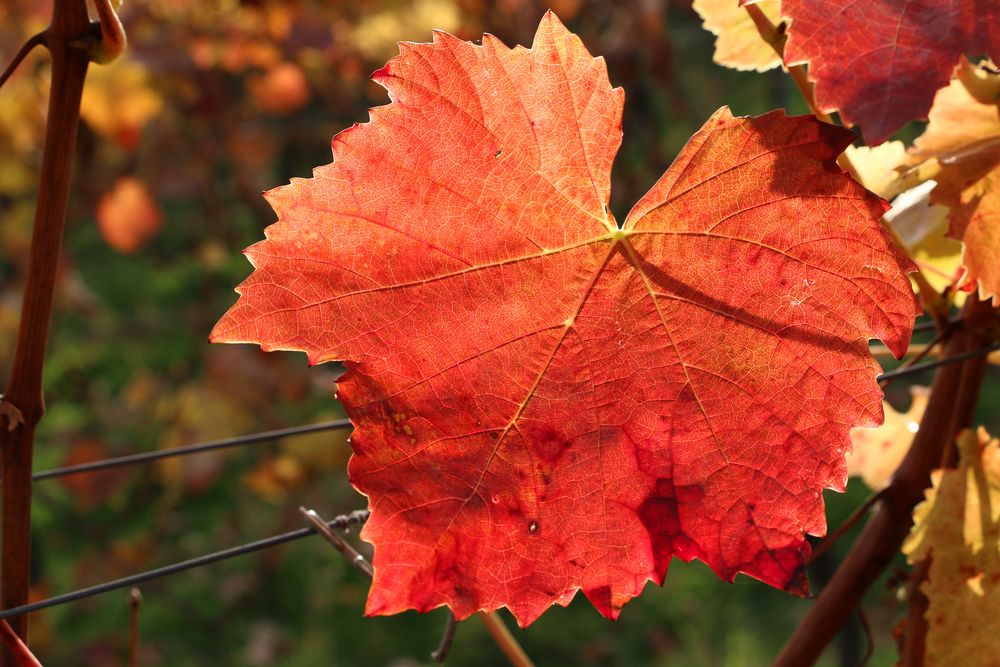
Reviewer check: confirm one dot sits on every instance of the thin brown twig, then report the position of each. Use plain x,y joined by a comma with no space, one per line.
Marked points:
505,640
939,337
134,602
440,654
350,553
26,48
848,523
501,635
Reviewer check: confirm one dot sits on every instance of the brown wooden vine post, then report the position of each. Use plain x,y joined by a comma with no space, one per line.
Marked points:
73,41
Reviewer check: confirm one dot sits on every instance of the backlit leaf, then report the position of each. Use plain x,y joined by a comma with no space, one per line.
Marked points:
963,136
958,528
545,401
879,62
879,451
738,44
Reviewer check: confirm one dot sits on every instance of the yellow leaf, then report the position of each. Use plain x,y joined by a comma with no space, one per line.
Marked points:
958,527
118,101
923,228
878,167
738,44
963,137
376,36
879,451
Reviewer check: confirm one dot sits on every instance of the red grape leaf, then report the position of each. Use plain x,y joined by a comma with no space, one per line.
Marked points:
545,402
880,61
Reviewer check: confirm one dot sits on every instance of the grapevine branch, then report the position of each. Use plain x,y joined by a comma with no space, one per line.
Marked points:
953,399
67,39
841,530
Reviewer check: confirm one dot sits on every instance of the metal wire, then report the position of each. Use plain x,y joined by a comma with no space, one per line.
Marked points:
145,457
939,362
343,521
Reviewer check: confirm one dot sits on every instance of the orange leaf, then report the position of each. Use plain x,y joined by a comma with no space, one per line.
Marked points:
545,401
281,90
128,216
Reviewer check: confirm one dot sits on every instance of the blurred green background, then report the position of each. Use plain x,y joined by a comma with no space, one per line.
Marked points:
215,102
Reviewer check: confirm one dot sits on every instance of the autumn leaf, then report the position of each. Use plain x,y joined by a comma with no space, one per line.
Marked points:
878,452
963,137
738,44
128,216
958,528
376,35
879,167
879,62
921,226
282,90
118,101
547,402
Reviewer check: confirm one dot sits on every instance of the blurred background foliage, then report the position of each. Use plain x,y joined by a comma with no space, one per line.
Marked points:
214,102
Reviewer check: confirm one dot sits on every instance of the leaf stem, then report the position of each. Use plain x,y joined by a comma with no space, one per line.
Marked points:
440,654
505,640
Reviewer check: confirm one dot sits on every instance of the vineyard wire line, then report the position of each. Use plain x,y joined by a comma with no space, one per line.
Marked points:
198,448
